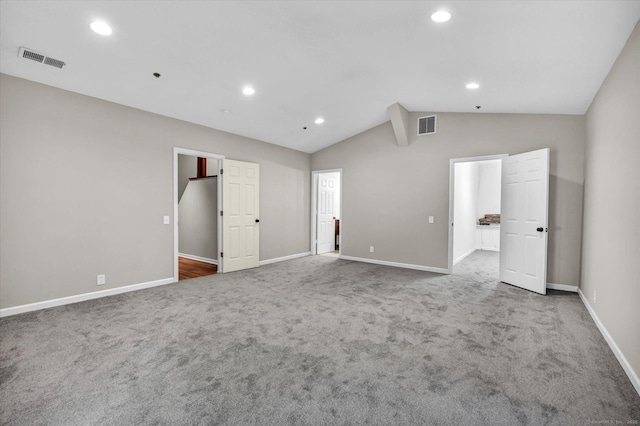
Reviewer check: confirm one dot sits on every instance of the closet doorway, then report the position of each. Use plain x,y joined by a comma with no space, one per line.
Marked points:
475,197
326,212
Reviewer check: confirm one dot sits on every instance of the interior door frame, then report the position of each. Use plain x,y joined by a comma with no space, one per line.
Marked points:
314,208
452,174
176,234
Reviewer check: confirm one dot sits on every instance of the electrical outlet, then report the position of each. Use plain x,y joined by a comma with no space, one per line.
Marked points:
594,297
370,249
101,279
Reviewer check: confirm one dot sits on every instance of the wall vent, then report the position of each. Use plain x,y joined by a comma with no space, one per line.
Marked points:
39,57
426,125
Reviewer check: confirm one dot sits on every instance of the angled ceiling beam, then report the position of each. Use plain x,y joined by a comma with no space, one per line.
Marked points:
400,122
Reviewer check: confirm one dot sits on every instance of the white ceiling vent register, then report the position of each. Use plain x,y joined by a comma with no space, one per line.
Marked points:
426,125
39,57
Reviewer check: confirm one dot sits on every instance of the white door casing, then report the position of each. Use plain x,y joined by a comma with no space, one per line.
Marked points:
326,214
524,220
241,215
214,157
452,163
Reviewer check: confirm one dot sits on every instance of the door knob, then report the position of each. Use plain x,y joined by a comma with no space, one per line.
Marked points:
257,220
540,229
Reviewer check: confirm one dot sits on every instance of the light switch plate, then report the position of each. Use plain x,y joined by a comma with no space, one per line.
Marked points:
430,219
166,220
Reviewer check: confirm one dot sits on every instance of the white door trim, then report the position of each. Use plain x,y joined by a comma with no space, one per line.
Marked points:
314,207
193,153
452,168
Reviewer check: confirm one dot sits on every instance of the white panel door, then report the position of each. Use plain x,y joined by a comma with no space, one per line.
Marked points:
326,214
523,227
240,218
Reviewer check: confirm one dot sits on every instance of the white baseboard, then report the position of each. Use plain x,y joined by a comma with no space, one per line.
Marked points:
199,258
487,248
464,256
397,265
283,258
563,287
81,297
635,381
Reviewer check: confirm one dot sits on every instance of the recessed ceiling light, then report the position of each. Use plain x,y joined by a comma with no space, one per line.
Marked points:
440,16
248,90
472,86
225,111
101,28
319,120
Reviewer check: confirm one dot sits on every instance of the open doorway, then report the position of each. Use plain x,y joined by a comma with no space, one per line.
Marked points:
197,210
326,214
197,204
475,203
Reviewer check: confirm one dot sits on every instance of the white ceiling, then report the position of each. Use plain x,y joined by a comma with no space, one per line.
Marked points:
346,61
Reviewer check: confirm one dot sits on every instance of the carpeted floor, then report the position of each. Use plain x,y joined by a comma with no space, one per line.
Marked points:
316,341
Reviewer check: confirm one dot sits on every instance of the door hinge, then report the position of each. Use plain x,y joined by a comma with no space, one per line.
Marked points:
221,171
221,254
221,213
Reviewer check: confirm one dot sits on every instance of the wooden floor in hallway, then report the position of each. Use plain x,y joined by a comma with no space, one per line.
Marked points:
189,268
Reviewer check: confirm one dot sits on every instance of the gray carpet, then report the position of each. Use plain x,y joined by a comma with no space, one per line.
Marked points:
313,341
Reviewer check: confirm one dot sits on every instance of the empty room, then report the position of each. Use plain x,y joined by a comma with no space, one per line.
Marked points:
319,212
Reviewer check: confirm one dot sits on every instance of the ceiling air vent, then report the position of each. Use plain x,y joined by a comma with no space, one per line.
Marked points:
39,57
426,125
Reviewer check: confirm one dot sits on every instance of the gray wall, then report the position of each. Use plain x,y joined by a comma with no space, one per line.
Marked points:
187,167
198,210
489,187
388,191
611,244
84,185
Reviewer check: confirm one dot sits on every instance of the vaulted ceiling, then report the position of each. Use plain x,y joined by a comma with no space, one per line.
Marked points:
344,61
